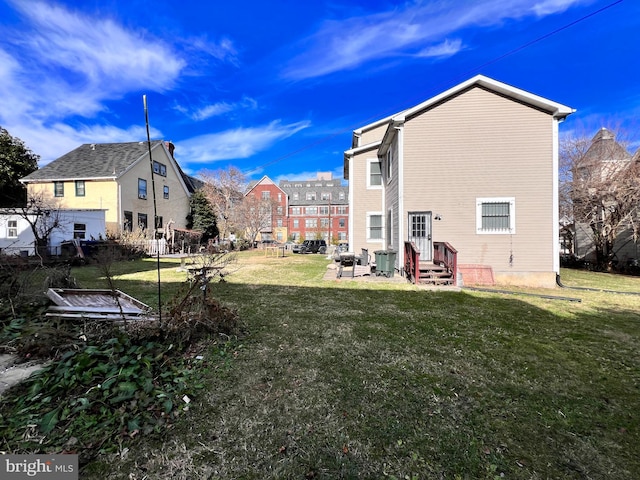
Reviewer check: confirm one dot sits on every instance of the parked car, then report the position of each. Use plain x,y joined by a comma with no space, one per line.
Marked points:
310,246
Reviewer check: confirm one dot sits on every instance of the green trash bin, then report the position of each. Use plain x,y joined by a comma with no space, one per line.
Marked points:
381,262
385,262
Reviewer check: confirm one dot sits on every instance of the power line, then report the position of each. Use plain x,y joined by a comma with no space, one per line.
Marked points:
438,85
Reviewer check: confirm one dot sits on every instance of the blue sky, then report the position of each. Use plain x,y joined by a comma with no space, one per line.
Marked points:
275,88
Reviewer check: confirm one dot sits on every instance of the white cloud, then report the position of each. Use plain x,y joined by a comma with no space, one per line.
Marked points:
8,66
64,63
236,143
212,110
100,52
336,174
549,7
223,50
445,49
414,27
219,108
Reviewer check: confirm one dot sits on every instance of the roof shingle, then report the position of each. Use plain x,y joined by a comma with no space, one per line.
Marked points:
93,160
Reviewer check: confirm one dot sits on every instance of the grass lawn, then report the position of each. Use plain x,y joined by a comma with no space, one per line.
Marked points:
346,379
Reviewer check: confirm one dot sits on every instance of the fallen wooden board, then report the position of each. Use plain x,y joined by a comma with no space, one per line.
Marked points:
94,303
111,317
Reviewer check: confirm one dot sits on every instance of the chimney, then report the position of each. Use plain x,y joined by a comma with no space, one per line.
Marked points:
171,147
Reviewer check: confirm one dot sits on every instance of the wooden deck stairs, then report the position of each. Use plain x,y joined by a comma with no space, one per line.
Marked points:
434,274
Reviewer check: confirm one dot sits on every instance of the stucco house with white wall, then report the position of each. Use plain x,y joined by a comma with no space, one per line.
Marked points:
16,235
473,171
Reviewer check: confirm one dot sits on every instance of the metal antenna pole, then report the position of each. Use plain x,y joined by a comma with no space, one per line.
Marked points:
155,209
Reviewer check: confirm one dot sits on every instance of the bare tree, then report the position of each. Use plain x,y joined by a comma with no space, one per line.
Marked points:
43,216
599,189
254,215
225,190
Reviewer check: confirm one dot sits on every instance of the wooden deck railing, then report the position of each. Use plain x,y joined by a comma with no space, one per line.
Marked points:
446,255
411,262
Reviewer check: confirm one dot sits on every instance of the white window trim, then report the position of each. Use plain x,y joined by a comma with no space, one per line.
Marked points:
389,228
80,230
12,229
512,215
382,228
369,186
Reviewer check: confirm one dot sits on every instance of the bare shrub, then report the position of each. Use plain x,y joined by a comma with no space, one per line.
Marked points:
193,313
131,244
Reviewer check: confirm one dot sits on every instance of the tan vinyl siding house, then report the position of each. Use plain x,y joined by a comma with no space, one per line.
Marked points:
367,198
476,167
370,134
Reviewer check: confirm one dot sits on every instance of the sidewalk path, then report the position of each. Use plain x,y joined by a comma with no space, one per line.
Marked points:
12,373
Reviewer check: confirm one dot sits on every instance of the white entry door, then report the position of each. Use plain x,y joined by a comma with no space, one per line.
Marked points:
420,234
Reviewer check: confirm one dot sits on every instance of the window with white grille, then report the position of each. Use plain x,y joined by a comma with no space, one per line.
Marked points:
496,215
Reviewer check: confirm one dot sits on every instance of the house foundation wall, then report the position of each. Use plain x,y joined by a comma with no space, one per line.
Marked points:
526,279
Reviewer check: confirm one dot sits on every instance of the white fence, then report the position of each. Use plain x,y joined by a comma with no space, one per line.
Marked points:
158,246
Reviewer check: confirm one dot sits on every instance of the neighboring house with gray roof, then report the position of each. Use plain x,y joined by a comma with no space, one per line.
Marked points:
118,178
604,159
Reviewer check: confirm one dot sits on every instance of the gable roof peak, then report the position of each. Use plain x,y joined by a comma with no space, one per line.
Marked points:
603,134
558,110
604,147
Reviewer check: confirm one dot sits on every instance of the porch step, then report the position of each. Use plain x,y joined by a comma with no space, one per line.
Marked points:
432,274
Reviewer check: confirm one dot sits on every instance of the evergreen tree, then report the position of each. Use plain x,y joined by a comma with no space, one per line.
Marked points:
202,216
16,161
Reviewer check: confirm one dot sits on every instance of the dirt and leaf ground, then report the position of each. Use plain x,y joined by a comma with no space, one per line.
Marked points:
348,379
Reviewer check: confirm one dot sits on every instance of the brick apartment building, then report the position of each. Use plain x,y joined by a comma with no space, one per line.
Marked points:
275,226
318,209
315,209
